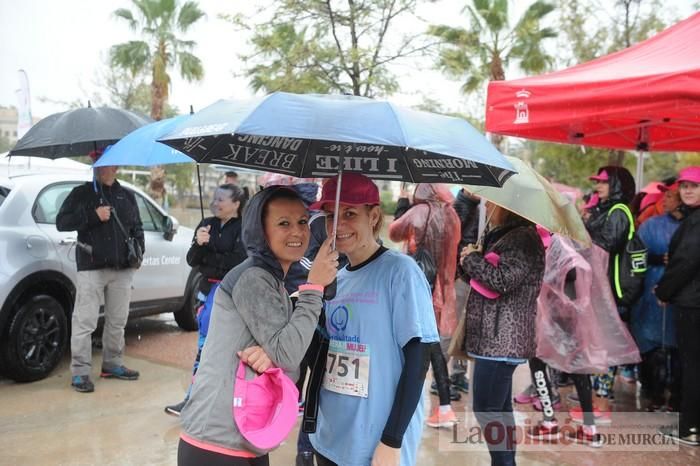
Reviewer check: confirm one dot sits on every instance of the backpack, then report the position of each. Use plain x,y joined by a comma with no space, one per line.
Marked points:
425,260
629,266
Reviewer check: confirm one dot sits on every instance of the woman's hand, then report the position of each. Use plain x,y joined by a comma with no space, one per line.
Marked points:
325,266
385,455
256,358
468,249
203,235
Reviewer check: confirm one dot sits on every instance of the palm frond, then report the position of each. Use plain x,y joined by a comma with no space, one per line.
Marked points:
189,14
190,66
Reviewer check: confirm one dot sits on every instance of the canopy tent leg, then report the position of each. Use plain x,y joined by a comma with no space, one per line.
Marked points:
640,171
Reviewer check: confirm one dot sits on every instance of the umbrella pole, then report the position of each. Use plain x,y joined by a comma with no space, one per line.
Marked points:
199,183
337,199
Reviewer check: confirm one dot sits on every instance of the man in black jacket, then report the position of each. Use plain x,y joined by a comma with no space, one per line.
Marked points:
680,286
95,210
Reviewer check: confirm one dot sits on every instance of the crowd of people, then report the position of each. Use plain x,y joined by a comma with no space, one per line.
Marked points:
298,286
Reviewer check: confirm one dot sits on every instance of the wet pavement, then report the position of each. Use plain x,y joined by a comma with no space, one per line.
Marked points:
123,423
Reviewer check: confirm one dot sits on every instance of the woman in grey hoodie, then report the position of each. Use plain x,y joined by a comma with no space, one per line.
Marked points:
252,321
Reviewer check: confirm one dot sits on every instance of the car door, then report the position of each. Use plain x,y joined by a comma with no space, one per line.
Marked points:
163,273
44,211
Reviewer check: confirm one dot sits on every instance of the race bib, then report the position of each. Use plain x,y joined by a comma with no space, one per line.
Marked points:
347,368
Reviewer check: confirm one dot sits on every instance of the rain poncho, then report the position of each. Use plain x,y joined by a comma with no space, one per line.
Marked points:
647,315
581,334
433,223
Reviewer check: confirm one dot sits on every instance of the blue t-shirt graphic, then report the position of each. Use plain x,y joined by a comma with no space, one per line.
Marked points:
377,310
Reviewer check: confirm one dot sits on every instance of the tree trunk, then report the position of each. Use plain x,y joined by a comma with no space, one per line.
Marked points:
156,186
616,157
497,74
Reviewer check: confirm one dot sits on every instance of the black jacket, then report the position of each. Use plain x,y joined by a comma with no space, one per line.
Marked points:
467,209
680,283
106,239
610,232
223,252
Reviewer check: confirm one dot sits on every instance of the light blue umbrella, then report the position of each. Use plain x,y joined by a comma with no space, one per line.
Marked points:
308,135
140,147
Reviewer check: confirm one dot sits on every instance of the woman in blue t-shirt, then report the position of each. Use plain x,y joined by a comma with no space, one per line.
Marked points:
379,326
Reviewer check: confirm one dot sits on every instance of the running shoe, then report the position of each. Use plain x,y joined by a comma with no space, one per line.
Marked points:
601,417
438,420
544,430
584,438
176,409
691,439
119,372
527,396
82,384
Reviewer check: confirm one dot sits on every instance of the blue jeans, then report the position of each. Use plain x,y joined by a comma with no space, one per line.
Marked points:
493,391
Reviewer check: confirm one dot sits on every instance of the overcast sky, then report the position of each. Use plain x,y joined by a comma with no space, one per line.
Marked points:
62,44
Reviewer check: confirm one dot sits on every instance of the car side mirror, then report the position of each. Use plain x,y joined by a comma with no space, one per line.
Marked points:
170,227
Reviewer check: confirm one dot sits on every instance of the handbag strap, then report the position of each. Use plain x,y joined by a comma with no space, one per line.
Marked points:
121,227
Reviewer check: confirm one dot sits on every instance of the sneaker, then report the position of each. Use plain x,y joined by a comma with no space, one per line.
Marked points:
527,396
438,420
544,431
670,432
175,409
460,382
305,458
82,383
119,372
584,438
556,404
601,417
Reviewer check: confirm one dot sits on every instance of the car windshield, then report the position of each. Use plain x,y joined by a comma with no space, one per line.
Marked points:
4,192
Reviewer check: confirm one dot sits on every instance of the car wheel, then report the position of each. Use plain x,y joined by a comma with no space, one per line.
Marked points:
186,317
36,339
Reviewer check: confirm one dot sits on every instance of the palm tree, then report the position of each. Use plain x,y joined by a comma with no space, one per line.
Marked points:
159,50
483,52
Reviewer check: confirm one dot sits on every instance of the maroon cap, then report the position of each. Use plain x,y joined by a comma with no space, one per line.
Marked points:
673,187
355,189
602,176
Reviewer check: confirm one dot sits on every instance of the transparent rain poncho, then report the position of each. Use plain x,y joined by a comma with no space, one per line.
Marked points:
433,223
579,330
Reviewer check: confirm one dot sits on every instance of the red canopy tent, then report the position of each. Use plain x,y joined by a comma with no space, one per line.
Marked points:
645,97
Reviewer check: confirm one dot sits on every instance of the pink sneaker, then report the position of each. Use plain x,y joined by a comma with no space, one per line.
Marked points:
438,420
527,396
601,417
544,431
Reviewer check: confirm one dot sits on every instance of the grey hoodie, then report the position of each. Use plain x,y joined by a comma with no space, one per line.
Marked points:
251,307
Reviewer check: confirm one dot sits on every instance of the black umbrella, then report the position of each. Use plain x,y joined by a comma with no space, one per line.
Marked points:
77,132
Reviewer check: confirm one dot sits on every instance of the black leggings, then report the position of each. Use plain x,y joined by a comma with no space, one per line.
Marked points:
543,386
442,380
189,455
582,382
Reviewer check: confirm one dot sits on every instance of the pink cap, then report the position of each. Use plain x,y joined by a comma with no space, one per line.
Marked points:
691,174
265,408
602,176
355,189
493,259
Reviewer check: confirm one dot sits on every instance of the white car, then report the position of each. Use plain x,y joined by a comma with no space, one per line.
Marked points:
38,272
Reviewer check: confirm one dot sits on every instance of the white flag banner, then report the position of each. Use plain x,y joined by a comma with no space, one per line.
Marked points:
24,111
